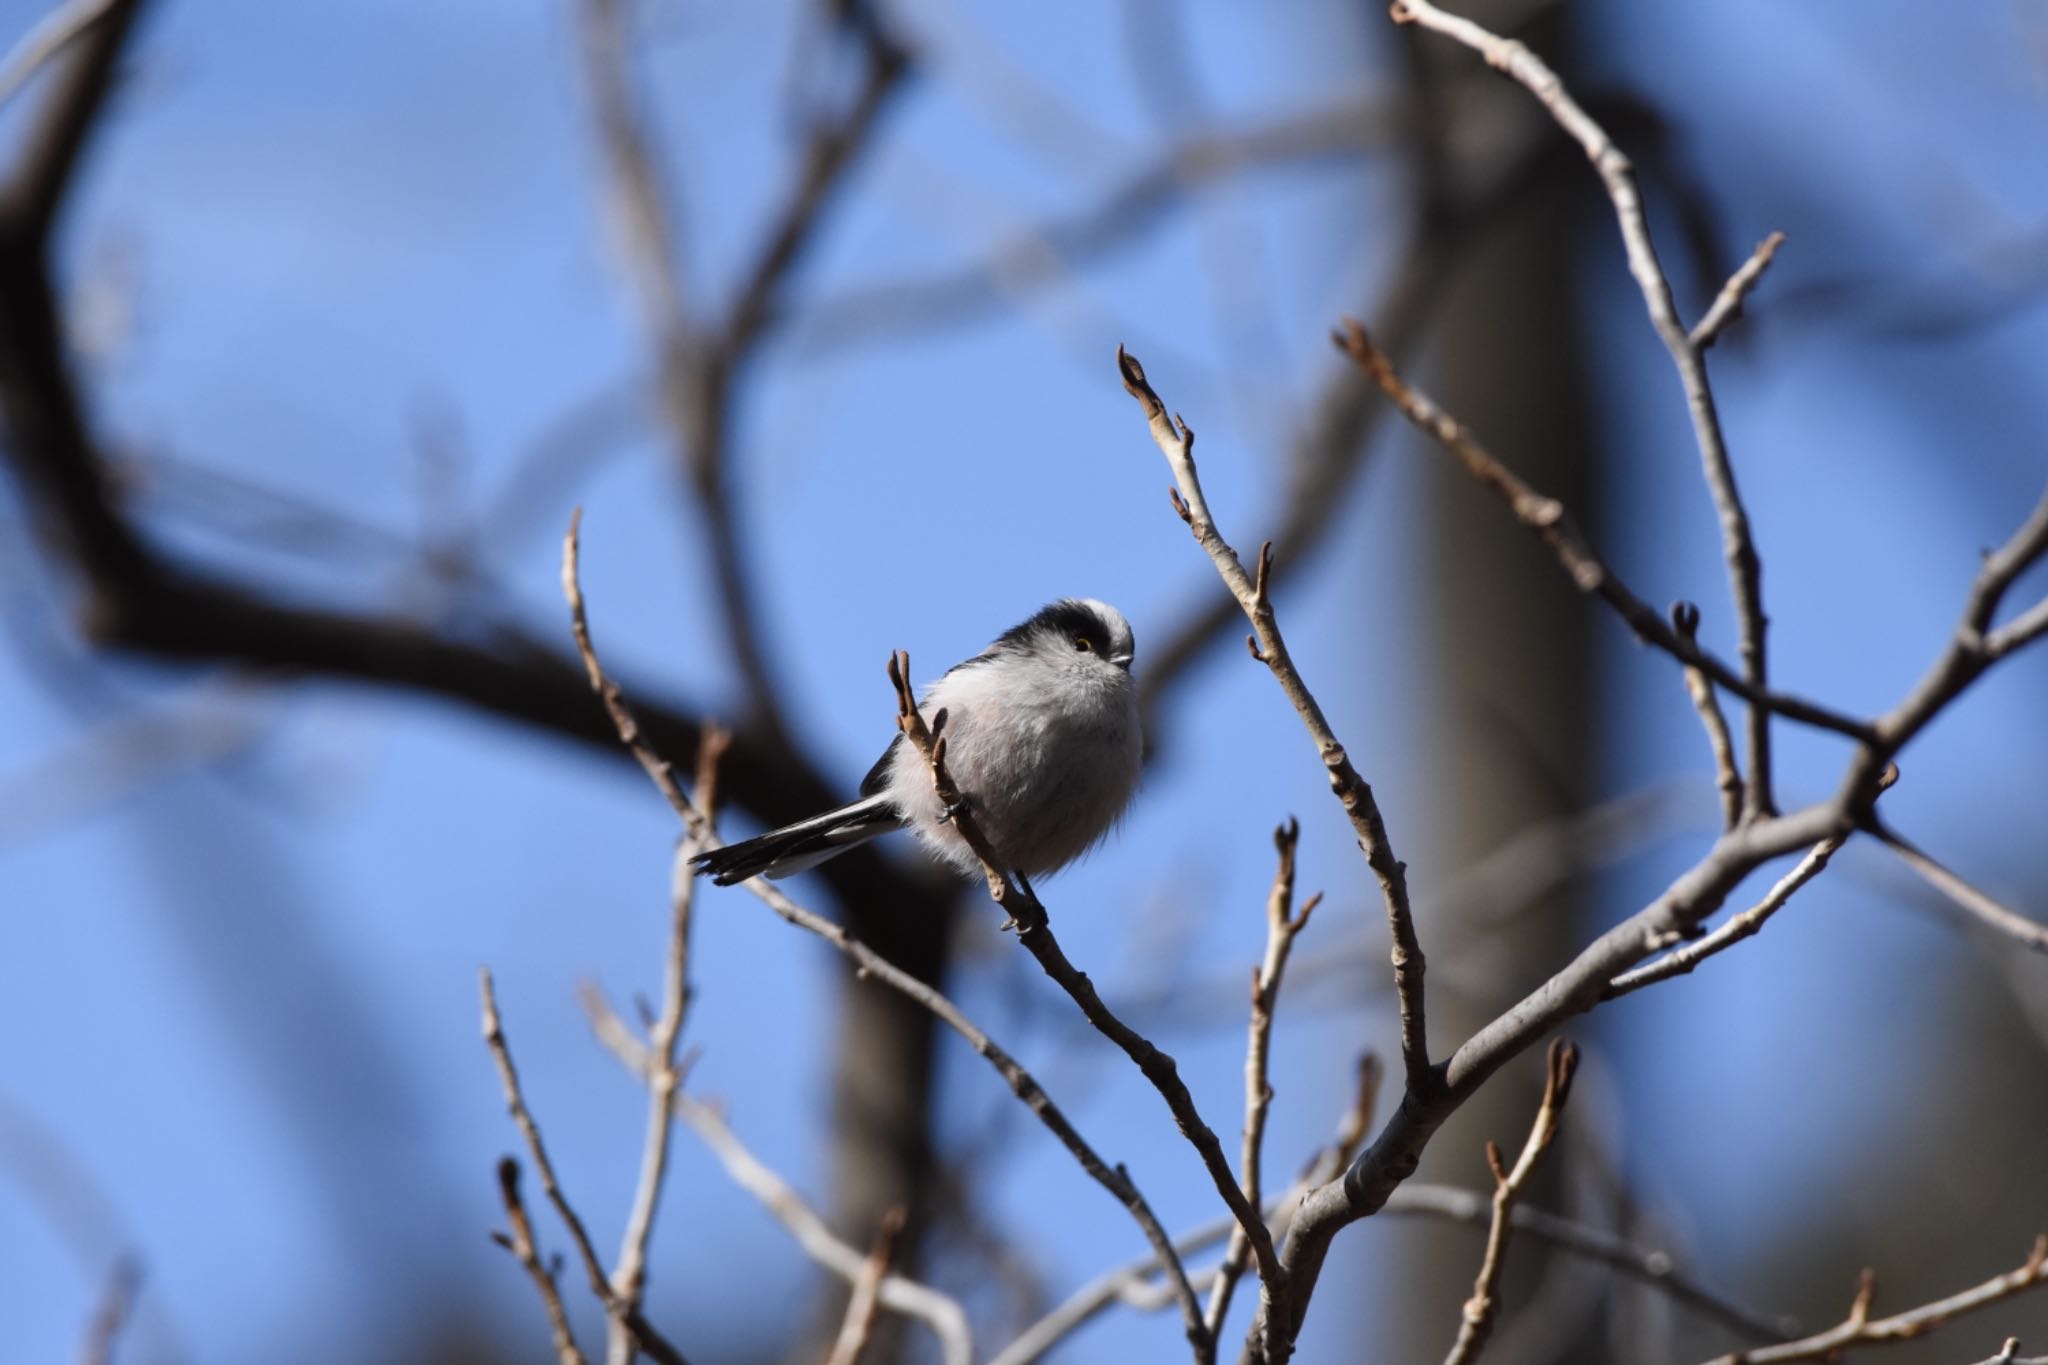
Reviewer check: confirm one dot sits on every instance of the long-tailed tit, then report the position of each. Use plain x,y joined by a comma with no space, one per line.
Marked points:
1041,738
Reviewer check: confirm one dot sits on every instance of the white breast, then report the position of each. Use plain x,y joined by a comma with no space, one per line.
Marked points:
1047,757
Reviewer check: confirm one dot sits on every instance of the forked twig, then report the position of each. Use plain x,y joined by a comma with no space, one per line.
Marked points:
1859,1328
1176,441
1476,1321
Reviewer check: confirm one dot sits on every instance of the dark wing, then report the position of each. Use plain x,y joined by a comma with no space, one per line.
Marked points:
878,776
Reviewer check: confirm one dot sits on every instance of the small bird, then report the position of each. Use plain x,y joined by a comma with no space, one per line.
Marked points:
1042,739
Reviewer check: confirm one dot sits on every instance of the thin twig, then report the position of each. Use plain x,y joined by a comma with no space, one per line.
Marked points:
937,1310
662,1074
1654,1269
521,1244
2023,629
696,367
1686,901
1681,961
1476,1321
1548,519
1685,619
1282,925
866,1300
1135,1284
649,1340
2009,1354
522,1118
1176,441
1978,904
867,963
1034,931
1727,305
1859,1328
1745,571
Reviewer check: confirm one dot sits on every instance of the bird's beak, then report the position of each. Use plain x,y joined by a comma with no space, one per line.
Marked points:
1122,661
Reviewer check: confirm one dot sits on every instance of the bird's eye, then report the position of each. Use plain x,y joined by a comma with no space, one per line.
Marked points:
1081,643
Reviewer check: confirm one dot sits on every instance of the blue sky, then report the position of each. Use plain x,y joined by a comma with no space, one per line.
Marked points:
241,995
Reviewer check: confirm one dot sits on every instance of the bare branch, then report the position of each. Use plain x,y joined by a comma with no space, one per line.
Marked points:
2009,1354
664,1077
1176,442
44,40
1673,915
2023,630
1745,572
1685,619
1979,905
866,1299
1652,1268
1282,925
1034,931
521,1244
49,152
1132,1283
648,1340
1047,252
866,961
1550,522
1859,1328
1476,1323
938,1311
1746,924
1727,305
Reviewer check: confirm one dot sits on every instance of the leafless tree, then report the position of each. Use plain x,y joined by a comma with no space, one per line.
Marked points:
138,594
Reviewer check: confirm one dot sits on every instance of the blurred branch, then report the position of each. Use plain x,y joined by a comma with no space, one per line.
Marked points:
139,598
521,1244
129,753
1547,518
939,1311
1476,1321
1282,926
111,1311
1176,440
1654,1269
697,372
1048,252
1745,572
44,40
861,1306
1979,905
626,1315
1859,1328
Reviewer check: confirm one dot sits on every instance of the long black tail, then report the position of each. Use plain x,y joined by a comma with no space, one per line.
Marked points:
787,851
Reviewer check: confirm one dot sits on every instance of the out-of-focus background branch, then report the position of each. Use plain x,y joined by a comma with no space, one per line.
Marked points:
313,323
